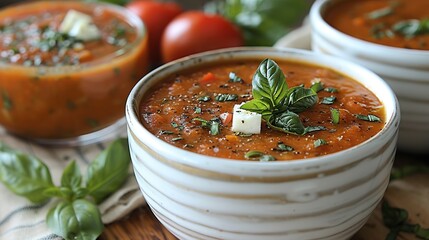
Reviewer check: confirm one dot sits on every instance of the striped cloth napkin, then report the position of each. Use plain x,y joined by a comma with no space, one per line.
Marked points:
21,219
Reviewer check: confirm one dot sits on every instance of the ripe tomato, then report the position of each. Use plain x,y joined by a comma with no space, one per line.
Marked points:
156,16
195,31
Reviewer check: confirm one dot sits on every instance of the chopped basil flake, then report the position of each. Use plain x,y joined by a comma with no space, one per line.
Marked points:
188,146
310,129
176,139
257,155
234,78
319,142
225,97
412,27
379,13
317,86
335,116
7,102
92,122
283,147
165,132
175,125
213,125
197,110
328,100
204,98
369,117
330,90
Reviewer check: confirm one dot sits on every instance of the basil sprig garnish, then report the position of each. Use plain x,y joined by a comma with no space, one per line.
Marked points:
278,104
76,215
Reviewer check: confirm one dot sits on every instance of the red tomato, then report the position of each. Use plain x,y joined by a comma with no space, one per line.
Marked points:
195,31
156,16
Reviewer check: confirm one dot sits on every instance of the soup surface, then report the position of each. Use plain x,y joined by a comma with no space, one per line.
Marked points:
175,109
396,23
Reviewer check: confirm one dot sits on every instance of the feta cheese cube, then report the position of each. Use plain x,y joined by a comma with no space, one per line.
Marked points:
245,121
80,26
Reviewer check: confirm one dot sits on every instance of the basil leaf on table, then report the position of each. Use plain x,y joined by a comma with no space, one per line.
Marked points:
74,216
109,170
79,219
24,175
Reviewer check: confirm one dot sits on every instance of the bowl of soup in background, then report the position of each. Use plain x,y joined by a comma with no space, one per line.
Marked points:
199,193
58,88
370,34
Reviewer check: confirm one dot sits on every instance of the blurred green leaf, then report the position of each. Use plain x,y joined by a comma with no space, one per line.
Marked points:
262,22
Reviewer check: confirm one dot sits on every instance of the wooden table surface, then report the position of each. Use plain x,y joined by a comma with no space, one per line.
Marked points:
410,193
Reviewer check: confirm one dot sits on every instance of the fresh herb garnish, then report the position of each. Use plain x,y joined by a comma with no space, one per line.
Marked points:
277,103
197,110
226,97
76,215
260,156
328,100
330,90
204,98
165,132
412,27
319,142
234,78
213,125
317,86
379,13
335,116
369,117
281,147
176,139
176,125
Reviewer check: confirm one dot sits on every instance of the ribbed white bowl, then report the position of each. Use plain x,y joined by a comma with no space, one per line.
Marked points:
202,197
405,70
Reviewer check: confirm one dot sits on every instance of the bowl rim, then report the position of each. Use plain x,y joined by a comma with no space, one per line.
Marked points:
128,16
137,130
316,18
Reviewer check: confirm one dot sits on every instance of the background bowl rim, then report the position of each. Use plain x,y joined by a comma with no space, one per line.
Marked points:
315,17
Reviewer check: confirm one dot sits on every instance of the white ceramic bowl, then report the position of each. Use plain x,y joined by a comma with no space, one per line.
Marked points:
405,70
202,197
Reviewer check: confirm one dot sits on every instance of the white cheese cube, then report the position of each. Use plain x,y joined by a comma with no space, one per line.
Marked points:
245,121
80,26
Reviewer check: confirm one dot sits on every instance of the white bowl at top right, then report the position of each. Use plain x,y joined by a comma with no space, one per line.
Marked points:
406,70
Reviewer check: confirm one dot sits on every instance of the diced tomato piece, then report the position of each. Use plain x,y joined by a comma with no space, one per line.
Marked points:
226,118
208,78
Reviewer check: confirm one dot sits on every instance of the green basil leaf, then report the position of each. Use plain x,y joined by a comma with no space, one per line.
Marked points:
288,122
269,83
317,86
330,90
257,155
299,99
281,147
225,97
310,129
412,27
109,170
234,78
258,106
71,177
24,174
80,220
392,217
328,100
335,115
319,142
369,117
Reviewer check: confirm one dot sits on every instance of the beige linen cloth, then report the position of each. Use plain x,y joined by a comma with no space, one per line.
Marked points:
21,219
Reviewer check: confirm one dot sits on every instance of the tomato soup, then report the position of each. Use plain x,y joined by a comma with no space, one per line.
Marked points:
54,85
396,23
193,110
